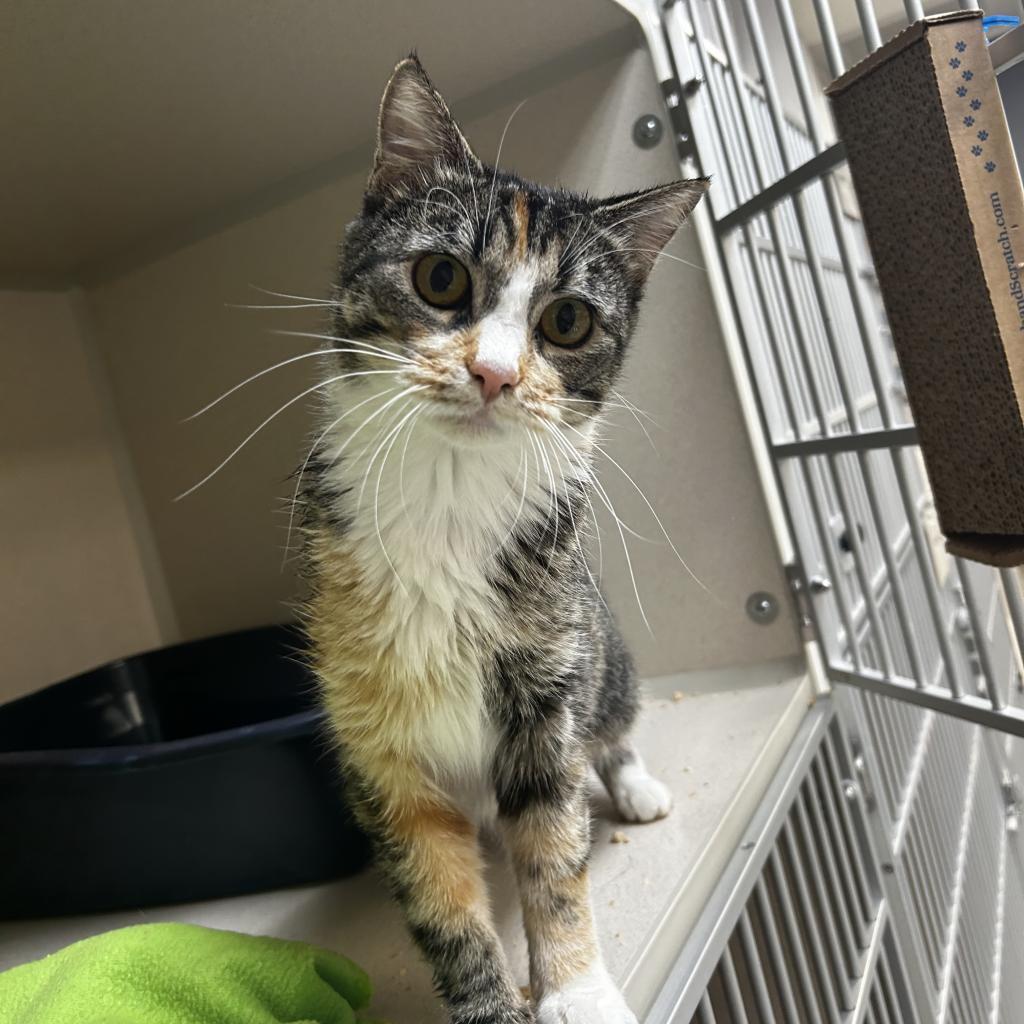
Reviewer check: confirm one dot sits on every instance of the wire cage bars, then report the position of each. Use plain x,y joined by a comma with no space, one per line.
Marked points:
894,613
887,883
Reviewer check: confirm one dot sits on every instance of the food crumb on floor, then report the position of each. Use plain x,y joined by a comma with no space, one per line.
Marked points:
678,696
619,837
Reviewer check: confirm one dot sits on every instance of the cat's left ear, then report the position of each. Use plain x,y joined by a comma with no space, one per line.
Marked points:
415,131
646,221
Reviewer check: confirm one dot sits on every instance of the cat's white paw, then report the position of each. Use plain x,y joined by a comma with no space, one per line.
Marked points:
639,796
591,998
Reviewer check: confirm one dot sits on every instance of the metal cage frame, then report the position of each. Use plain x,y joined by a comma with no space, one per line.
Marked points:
892,613
881,880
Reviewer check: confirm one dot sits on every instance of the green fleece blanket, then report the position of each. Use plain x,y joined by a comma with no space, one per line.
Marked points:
183,974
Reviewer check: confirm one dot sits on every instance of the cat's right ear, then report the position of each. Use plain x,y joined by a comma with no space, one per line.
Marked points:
415,131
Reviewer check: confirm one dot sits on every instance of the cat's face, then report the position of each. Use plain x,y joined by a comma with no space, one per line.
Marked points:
504,302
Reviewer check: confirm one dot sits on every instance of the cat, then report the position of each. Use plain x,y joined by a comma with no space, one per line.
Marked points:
469,666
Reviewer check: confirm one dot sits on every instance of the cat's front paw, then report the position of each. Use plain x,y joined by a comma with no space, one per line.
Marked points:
591,998
641,797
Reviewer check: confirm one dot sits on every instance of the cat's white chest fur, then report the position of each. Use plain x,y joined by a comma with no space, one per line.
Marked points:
426,531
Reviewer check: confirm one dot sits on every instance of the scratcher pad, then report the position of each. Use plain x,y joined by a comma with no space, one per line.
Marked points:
938,187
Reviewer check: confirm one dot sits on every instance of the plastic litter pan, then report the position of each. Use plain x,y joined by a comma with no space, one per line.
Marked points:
197,771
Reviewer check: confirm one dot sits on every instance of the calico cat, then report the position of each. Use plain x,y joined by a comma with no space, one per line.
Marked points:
469,666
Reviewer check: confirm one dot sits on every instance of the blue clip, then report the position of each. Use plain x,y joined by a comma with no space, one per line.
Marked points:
998,21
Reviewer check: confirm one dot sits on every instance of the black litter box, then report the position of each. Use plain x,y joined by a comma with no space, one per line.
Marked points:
197,771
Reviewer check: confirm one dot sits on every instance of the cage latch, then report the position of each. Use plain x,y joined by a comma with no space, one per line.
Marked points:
801,589
1013,799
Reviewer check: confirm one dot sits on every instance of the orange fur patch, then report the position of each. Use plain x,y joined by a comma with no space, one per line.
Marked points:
371,705
441,857
466,343
521,216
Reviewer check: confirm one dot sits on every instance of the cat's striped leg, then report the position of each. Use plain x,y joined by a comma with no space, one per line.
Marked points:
547,833
430,855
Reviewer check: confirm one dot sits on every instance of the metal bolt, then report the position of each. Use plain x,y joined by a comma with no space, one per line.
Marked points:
647,131
850,790
691,85
819,584
762,607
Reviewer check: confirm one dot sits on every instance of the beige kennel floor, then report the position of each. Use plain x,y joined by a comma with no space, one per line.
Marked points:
714,737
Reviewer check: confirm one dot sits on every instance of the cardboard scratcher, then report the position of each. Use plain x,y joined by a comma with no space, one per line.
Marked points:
939,190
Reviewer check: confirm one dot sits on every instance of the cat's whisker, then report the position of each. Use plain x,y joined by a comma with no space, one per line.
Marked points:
316,444
588,475
554,495
376,494
298,398
524,471
540,478
442,206
412,389
471,177
595,237
311,300
497,161
657,253
597,529
597,534
441,188
369,419
618,525
567,250
552,492
524,463
379,437
602,404
646,212
578,463
401,465
632,405
277,366
390,429
348,341
657,518
280,305
611,405
586,243
592,477
635,413
579,542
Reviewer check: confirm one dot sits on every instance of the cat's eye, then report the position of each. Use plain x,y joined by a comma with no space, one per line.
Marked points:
441,280
567,322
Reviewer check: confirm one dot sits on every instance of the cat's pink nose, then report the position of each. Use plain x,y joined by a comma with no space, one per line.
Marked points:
493,379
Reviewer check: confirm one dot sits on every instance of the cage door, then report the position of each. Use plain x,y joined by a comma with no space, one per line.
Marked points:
892,612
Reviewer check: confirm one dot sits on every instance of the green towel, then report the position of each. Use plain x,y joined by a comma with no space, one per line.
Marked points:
184,974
